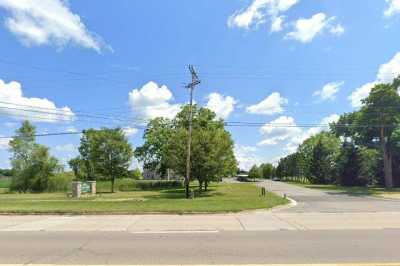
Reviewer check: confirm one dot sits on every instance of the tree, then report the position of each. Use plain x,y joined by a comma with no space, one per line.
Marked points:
135,174
267,170
374,124
165,146
212,154
154,152
32,164
381,112
107,152
78,166
317,157
319,167
254,172
349,166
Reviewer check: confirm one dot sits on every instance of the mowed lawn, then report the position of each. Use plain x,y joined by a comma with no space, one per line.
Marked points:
221,198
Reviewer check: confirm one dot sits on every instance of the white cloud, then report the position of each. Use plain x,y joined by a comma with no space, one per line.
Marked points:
223,106
40,22
305,30
393,8
329,91
281,129
273,104
285,130
389,71
16,105
4,143
66,148
360,93
386,73
337,30
152,101
129,131
72,129
258,12
246,156
277,24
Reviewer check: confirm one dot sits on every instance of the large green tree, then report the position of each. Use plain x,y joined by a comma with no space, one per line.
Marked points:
32,164
165,146
154,151
374,125
106,152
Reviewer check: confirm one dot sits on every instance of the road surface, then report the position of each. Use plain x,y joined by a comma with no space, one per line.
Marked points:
319,201
101,248
324,227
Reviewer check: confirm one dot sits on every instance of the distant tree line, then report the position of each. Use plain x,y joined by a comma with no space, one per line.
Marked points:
361,149
262,171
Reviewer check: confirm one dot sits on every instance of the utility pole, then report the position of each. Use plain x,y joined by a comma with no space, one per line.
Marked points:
190,86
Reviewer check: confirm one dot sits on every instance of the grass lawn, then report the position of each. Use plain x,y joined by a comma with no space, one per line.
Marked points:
356,191
221,198
4,184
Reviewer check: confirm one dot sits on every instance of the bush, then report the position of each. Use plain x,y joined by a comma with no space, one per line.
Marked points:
131,185
60,182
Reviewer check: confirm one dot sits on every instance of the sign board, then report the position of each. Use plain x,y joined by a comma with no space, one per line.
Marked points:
85,187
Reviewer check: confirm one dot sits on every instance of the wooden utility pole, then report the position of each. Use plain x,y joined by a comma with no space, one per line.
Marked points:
190,86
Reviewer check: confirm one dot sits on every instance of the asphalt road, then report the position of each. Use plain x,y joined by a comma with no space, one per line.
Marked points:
118,248
313,200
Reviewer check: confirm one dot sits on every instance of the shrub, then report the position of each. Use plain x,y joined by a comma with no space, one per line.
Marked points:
60,182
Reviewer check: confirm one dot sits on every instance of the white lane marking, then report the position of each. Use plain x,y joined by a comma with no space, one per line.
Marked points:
175,232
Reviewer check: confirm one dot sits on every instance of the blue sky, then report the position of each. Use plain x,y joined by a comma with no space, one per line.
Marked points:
82,64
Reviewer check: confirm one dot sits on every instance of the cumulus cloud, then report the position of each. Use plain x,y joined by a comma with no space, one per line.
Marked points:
223,106
273,104
285,130
129,131
259,11
16,105
277,24
393,8
329,91
386,73
306,29
152,101
48,22
281,129
4,143
246,156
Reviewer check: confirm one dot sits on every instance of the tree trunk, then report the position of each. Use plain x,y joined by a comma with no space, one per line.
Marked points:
200,186
387,161
112,184
205,185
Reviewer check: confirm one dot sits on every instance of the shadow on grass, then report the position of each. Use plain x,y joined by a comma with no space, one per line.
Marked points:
180,194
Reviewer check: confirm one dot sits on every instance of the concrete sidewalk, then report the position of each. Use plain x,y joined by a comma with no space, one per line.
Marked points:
252,221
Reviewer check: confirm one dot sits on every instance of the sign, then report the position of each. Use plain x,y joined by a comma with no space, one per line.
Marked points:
85,187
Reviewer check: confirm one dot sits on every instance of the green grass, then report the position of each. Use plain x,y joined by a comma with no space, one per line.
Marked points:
355,191
220,198
5,182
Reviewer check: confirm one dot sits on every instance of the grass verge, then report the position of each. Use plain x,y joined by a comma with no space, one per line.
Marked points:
219,199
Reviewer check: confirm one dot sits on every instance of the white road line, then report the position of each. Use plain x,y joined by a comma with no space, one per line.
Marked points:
174,232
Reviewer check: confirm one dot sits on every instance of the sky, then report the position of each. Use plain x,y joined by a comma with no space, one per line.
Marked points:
73,65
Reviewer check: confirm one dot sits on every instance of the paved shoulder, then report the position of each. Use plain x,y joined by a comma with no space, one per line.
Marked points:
312,200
